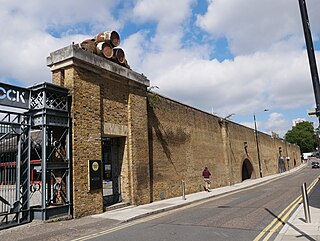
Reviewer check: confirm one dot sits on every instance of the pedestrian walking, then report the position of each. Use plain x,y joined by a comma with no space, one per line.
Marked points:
206,176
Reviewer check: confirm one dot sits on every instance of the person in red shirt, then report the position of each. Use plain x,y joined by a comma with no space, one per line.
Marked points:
206,175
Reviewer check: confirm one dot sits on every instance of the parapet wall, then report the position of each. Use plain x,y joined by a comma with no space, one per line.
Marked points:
184,140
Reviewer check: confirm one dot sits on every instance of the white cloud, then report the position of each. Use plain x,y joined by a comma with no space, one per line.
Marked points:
26,42
251,25
167,13
134,49
276,123
262,80
169,17
269,71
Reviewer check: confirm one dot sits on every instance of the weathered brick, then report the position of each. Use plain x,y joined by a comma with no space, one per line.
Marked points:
162,141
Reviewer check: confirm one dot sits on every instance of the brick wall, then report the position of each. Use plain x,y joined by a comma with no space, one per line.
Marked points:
184,140
86,137
138,147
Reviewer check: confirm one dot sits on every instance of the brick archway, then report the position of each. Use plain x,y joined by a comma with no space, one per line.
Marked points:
247,170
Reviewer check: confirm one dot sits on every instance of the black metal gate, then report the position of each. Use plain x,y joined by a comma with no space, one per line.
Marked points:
34,153
14,168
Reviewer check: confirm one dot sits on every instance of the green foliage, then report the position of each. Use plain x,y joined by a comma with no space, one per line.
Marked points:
153,99
303,135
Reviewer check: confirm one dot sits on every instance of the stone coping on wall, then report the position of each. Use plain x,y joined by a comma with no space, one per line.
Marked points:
74,55
218,117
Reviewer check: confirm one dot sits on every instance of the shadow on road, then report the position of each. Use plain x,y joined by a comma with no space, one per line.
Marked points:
303,234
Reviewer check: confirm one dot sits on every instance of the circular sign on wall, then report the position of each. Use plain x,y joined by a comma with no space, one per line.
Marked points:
95,166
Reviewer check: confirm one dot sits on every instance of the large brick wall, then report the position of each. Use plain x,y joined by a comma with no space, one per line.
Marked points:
184,140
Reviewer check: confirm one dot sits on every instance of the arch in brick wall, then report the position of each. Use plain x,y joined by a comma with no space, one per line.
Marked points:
247,170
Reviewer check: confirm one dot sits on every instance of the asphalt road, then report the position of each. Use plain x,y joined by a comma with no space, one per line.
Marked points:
240,216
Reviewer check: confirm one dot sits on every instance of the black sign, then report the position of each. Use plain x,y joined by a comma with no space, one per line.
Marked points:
14,96
95,174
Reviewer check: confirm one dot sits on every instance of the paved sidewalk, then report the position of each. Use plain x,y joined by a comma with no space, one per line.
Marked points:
134,212
296,227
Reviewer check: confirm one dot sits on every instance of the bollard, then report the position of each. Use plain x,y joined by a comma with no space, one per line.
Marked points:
183,190
305,203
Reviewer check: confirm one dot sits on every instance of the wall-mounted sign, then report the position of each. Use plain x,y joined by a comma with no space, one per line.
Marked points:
14,96
95,174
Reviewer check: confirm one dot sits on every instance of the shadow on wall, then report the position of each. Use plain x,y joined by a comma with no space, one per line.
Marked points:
233,156
154,123
166,139
281,165
160,134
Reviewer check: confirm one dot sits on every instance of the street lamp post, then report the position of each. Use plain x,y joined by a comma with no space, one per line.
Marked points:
257,142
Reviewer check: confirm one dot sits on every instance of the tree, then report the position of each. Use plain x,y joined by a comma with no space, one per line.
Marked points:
303,134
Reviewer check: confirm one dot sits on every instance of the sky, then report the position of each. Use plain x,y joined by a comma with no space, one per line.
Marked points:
224,57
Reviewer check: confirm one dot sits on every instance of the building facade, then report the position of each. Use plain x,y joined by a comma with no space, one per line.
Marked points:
147,143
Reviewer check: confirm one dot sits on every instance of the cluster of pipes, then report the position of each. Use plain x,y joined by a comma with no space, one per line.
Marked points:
105,44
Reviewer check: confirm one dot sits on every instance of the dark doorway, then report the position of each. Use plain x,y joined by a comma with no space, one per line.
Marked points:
111,170
247,170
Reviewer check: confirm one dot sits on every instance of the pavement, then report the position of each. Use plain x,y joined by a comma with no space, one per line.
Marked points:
295,228
130,213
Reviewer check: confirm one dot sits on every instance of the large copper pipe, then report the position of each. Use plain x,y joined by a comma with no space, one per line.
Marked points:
105,49
107,36
118,56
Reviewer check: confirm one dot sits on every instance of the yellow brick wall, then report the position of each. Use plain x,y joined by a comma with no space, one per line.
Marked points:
185,140
138,145
86,137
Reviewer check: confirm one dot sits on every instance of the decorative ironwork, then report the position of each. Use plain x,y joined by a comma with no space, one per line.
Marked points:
50,116
35,158
14,169
48,99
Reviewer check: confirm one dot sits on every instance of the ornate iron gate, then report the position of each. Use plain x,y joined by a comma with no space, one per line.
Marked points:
14,168
34,154
50,118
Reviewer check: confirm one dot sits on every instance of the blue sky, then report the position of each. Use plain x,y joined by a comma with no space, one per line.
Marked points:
220,56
